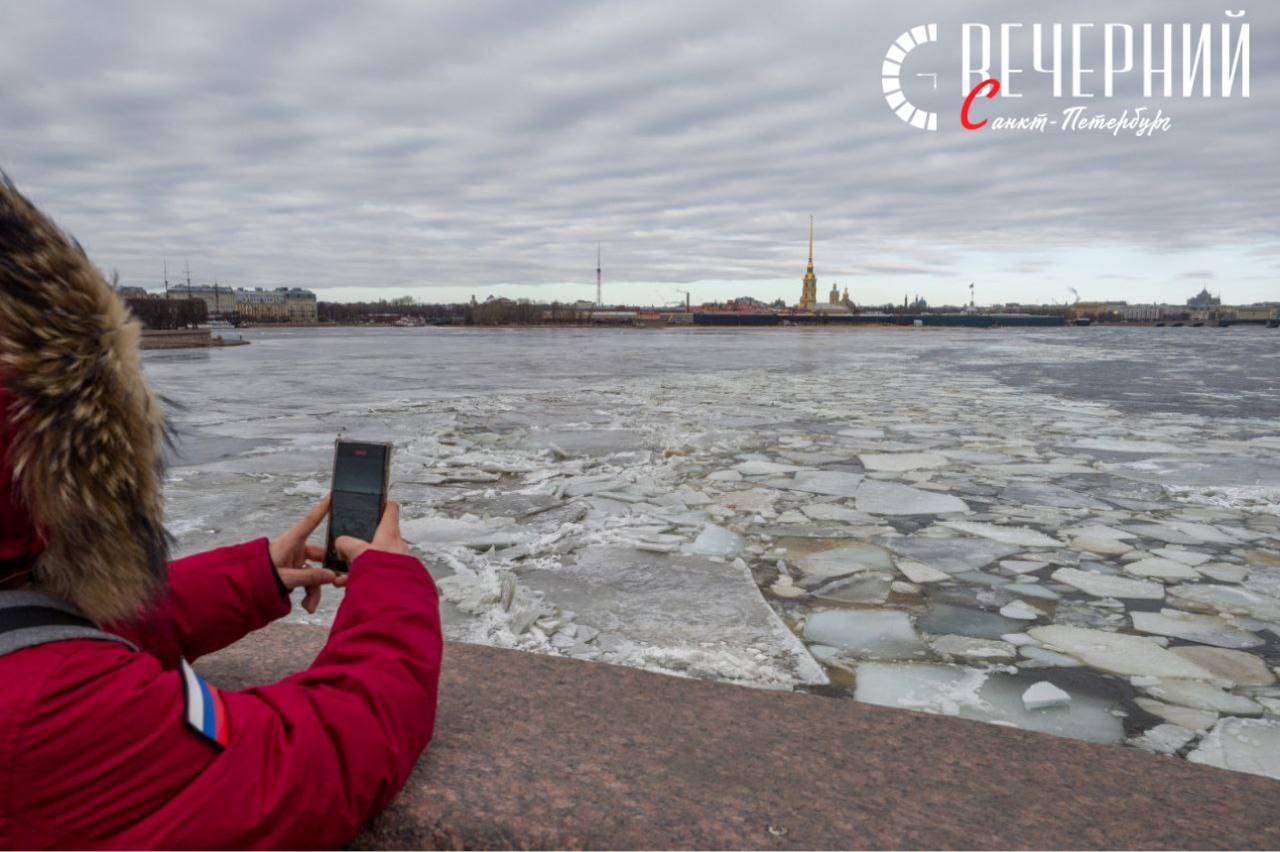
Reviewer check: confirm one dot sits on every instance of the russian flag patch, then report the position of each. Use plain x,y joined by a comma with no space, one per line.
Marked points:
205,712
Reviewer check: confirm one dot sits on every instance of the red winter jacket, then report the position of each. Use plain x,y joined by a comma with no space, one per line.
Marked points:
94,749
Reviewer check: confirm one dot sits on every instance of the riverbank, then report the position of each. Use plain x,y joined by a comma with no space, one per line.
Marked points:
543,752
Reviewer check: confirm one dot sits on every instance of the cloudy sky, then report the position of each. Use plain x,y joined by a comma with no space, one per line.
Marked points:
448,149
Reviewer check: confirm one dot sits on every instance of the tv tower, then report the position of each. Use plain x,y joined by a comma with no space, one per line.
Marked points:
599,298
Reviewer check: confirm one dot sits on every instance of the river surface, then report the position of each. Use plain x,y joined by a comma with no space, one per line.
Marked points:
1075,531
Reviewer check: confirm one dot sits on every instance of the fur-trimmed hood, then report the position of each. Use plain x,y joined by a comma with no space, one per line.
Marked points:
85,433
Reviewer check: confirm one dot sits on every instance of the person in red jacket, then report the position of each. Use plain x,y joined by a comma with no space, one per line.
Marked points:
108,736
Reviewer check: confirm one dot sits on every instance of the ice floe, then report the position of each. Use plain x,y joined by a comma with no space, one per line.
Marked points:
899,462
845,560
717,541
831,482
976,694
1163,739
1232,599
1021,610
1019,536
1042,695
918,573
1195,627
1118,653
1237,667
1199,695
870,634
890,498
1244,745
1161,569
1109,586
1185,717
969,648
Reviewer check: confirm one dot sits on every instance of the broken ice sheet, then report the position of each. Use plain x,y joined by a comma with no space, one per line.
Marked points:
1108,586
975,694
1161,569
1042,695
1230,599
1244,745
845,560
871,634
831,482
951,554
835,512
859,589
1195,627
943,619
1238,667
1163,739
899,462
466,532
969,648
1020,536
1118,653
1196,720
680,614
890,498
716,541
1199,695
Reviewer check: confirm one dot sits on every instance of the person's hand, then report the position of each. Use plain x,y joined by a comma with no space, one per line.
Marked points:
291,552
386,537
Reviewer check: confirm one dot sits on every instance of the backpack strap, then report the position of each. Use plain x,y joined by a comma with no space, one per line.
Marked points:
29,619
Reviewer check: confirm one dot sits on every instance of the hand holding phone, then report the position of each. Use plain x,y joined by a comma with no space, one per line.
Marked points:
387,539
361,474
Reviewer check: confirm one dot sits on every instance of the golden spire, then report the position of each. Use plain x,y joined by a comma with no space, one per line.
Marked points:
809,287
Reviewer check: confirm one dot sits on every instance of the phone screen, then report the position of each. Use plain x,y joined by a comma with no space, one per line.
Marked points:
359,494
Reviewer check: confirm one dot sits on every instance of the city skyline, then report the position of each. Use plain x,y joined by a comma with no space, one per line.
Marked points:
478,149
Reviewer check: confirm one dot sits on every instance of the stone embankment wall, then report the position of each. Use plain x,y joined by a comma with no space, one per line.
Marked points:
548,752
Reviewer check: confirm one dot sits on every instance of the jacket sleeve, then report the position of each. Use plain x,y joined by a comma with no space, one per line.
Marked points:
308,760
212,599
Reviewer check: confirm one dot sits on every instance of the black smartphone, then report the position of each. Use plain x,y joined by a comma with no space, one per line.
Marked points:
361,474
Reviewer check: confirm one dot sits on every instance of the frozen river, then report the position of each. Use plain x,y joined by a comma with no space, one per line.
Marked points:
1068,530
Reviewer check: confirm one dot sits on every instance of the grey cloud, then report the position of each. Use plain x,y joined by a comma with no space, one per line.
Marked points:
475,144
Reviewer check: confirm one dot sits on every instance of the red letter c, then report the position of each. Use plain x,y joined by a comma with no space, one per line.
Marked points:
994,84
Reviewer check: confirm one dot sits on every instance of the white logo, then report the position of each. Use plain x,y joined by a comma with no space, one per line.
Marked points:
891,76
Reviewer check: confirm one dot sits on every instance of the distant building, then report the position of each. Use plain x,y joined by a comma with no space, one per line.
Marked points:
1204,300
220,301
133,293
259,305
1140,313
1252,313
300,305
833,298
281,305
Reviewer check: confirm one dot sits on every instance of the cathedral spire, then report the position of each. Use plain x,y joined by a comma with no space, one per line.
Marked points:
809,287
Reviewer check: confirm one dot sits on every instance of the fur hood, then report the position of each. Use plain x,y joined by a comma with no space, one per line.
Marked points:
85,432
